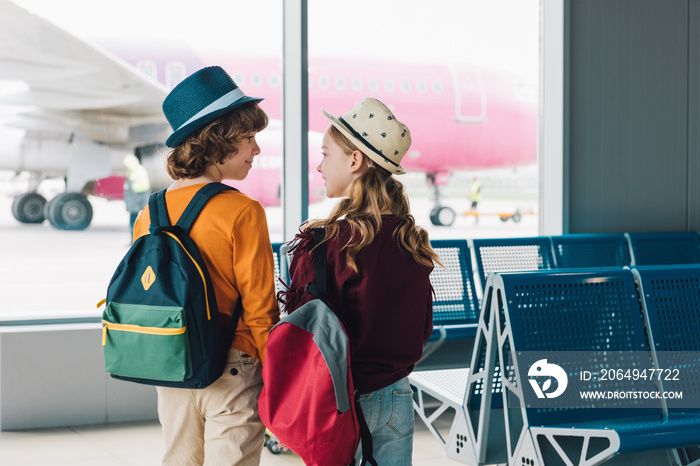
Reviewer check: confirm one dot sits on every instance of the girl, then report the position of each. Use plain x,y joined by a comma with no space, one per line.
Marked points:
215,126
379,263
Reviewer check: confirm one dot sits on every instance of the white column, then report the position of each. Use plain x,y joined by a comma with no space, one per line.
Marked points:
295,103
552,119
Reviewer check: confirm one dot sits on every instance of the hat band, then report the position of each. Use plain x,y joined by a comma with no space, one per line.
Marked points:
365,142
222,102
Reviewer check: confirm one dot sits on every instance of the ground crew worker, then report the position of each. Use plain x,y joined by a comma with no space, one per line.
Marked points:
475,194
137,188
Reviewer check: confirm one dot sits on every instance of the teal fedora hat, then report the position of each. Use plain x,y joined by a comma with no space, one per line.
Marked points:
200,99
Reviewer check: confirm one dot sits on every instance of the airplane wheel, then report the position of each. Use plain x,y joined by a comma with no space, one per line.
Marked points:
29,208
442,216
69,211
503,219
516,217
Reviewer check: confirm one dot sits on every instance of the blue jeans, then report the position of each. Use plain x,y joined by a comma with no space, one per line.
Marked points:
390,418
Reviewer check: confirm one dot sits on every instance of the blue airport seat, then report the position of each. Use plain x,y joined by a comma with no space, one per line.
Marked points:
468,393
672,304
278,265
513,254
591,250
455,301
665,248
587,320
455,308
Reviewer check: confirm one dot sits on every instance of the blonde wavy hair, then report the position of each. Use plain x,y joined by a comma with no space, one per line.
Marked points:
372,193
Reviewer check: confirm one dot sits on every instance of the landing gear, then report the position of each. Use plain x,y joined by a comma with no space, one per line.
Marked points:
69,211
441,216
29,208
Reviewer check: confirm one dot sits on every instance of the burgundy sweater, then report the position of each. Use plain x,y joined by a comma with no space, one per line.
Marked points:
386,307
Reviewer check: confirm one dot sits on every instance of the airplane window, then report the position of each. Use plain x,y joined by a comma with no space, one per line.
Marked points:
273,80
340,83
239,78
406,86
174,73
148,67
373,85
421,87
323,83
255,79
390,85
357,84
437,87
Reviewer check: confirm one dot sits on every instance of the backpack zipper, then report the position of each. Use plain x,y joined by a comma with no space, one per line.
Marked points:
138,329
206,294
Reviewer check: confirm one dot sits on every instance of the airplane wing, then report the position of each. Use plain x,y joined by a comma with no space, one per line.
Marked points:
76,86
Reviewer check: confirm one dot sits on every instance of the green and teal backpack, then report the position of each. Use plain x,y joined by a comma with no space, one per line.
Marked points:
161,323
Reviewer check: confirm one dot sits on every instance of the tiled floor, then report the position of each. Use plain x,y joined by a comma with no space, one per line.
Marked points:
141,444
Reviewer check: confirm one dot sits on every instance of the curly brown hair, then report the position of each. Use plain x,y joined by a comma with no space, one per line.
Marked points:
215,142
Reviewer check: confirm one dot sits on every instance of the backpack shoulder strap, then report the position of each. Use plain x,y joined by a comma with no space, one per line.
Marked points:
317,288
365,435
195,206
158,210
320,260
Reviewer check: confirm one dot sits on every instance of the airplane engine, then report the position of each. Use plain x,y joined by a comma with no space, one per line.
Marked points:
10,148
43,155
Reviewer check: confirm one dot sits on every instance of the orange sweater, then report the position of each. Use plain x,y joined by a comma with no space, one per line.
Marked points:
232,236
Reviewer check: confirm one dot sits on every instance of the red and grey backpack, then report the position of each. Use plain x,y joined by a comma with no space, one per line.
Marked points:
308,399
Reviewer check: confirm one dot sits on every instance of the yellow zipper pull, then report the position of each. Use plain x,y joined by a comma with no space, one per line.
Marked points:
104,333
101,302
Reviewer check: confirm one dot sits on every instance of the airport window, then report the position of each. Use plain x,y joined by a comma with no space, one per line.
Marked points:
413,78
149,68
136,46
174,73
459,132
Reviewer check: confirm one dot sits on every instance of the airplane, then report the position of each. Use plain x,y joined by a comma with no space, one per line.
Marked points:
86,106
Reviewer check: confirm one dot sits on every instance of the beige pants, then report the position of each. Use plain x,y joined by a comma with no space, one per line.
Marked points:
218,425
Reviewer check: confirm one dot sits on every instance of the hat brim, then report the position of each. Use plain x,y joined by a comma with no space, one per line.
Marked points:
179,136
393,169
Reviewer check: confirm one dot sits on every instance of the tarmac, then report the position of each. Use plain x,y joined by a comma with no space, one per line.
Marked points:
47,273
